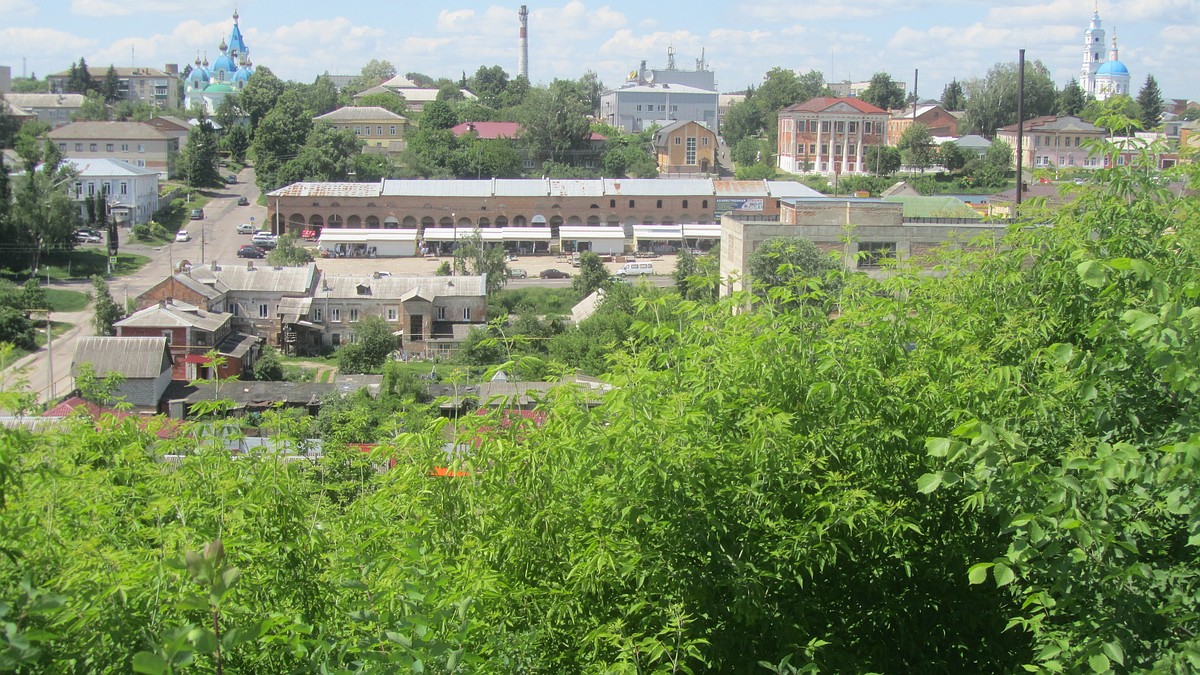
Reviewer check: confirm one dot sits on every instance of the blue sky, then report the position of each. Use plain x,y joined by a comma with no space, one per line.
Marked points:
742,39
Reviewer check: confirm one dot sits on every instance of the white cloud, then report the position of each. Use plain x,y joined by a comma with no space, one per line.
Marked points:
17,8
46,42
107,8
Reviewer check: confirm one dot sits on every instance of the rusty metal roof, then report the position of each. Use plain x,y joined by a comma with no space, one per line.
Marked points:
328,190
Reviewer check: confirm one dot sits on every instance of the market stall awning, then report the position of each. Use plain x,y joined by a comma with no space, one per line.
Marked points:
657,232
590,233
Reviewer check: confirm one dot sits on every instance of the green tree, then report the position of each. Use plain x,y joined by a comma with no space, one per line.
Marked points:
554,122
386,100
592,274
1150,101
992,100
289,253
884,93
743,121
106,312
953,96
789,263
628,154
200,155
228,114
882,160
33,296
1071,99
916,147
278,138
99,390
110,88
489,84
328,154
269,366
1120,114
236,141
437,115
375,344
473,256
43,215
258,98
952,157
93,109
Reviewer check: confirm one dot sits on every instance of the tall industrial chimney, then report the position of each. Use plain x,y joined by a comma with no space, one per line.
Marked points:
523,64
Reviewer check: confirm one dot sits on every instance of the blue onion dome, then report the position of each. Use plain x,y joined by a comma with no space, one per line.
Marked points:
1113,68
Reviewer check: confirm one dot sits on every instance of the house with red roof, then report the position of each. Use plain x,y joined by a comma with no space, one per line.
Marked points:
589,157
829,135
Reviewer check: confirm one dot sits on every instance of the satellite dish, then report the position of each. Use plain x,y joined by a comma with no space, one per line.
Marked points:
649,76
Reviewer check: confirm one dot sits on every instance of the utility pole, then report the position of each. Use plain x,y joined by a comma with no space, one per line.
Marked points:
203,230
1020,126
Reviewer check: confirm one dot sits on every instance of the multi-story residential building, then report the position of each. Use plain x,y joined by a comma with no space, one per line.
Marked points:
685,147
635,106
159,88
192,333
1056,142
829,135
935,118
172,126
132,192
53,109
133,142
254,292
380,129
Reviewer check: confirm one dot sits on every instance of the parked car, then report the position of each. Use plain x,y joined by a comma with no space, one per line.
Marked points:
242,201
231,178
517,273
246,228
249,251
183,235
197,214
554,274
634,269
88,237
265,240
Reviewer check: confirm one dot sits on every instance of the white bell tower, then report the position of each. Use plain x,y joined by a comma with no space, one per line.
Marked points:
1093,52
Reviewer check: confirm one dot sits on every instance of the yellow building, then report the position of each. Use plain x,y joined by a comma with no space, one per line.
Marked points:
686,147
382,130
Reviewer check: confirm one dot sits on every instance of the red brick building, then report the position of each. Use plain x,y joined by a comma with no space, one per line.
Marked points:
829,135
192,333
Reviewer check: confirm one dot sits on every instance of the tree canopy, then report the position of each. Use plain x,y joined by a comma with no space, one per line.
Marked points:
884,93
992,99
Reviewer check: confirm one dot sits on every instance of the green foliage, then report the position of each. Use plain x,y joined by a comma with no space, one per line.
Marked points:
954,97
916,147
373,346
386,100
289,253
952,157
992,99
882,160
444,269
990,469
198,162
760,171
269,365
101,391
794,265
1120,114
94,109
106,312
473,256
698,277
1071,99
884,93
1150,102
541,299
592,274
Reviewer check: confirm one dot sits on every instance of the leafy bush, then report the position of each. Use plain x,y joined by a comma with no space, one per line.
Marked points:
141,232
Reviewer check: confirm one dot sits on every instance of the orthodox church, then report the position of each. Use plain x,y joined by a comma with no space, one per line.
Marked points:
209,85
1102,77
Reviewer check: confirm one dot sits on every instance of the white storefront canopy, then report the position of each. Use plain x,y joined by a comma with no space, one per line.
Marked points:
333,236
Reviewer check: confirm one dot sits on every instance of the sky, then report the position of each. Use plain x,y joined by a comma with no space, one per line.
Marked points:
741,39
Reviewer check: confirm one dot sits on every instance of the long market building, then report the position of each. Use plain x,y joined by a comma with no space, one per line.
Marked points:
526,216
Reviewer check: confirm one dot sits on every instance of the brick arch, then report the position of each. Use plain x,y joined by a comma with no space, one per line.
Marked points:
501,221
573,220
334,221
593,220
410,222
372,222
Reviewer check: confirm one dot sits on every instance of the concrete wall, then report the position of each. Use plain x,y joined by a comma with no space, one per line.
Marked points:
827,222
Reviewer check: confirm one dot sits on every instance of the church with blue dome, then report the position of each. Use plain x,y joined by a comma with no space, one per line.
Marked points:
1102,77
208,85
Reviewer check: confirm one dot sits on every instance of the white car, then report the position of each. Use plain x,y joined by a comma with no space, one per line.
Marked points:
246,228
183,235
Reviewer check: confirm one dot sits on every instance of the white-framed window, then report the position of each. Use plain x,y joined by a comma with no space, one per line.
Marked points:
79,147
108,147
867,127
441,313
392,130
317,315
233,309
840,127
353,314
367,130
853,149
124,187
678,139
825,127
873,252
379,131
141,163
704,141
353,338
262,310
466,313
854,127
812,126
812,148
141,147
335,314
639,108
527,163
690,151
78,189
124,147
391,314
62,147
167,334
92,147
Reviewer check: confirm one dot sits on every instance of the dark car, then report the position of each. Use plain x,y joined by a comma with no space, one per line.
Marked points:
554,274
242,201
231,178
250,252
197,214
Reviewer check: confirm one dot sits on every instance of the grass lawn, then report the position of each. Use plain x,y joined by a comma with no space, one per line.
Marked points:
78,264
57,328
66,301
542,300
